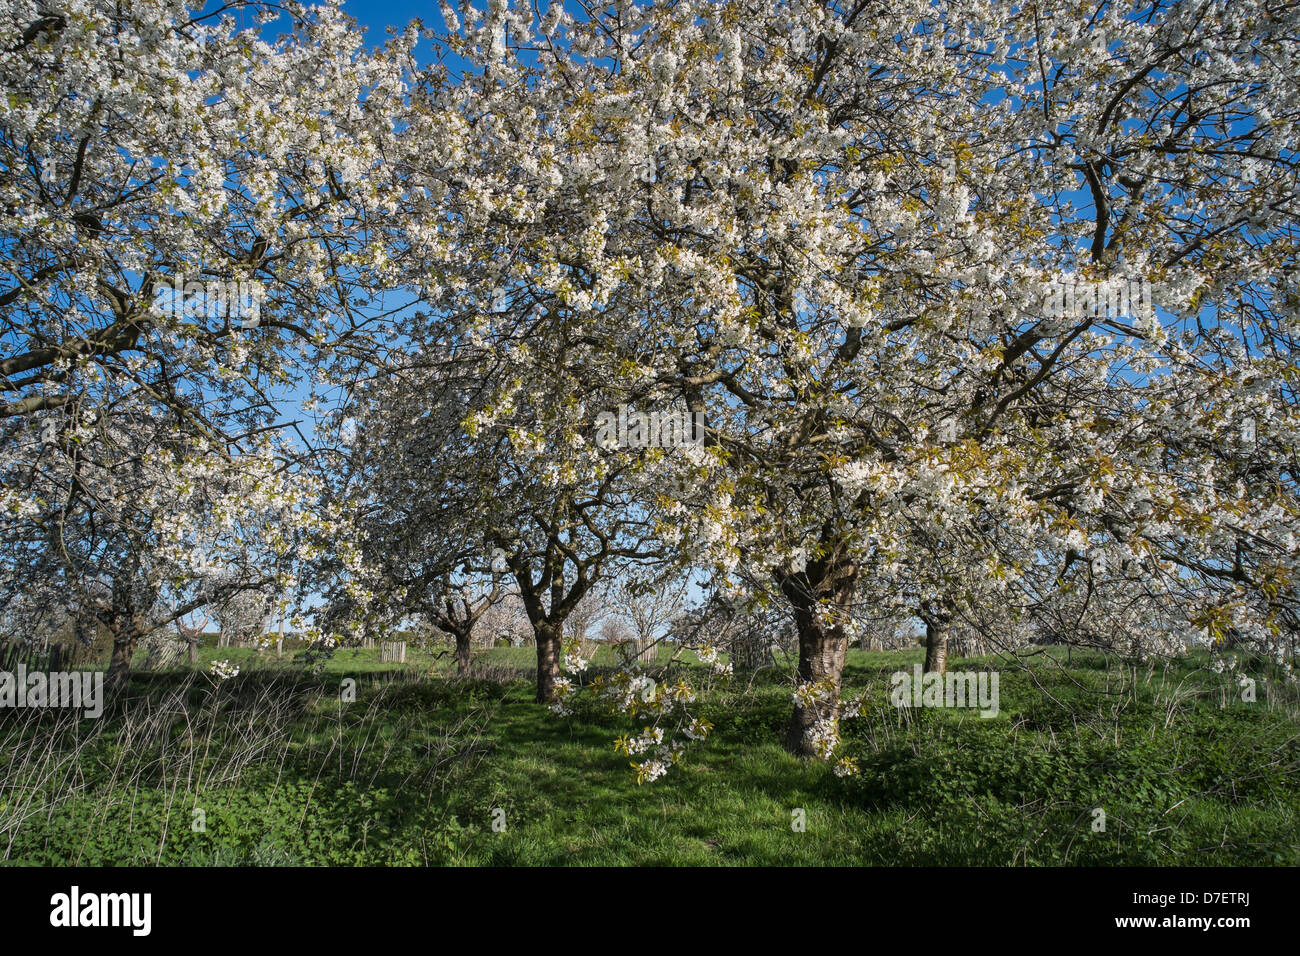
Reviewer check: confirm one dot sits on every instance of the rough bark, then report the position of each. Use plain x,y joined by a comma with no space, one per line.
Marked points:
822,647
119,665
821,658
936,648
462,652
193,636
548,660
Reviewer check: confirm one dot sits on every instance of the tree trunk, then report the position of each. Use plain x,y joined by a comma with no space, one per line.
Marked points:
821,658
936,648
192,650
822,647
548,661
462,653
119,665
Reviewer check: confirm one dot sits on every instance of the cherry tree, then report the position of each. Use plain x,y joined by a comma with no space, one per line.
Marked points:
184,233
839,231
648,602
244,617
133,529
458,607
439,492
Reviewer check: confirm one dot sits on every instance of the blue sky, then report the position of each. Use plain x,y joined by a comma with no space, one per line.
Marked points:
378,14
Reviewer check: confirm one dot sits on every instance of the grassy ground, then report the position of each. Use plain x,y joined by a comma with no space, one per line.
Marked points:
424,769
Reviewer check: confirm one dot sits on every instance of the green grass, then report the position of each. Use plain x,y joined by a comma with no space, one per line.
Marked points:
366,659
353,660
419,768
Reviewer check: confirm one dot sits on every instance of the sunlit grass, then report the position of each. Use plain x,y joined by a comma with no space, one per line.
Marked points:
426,769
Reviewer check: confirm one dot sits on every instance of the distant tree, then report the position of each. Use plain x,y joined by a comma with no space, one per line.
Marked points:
648,601
459,608
244,617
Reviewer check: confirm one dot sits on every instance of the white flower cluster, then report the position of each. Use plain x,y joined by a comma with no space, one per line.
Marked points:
698,729
629,692
711,656
809,694
223,670
573,661
821,697
846,767
666,756
650,770
826,737
650,737
562,705
639,696
1224,663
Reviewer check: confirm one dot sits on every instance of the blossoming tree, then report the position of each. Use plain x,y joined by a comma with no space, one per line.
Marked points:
182,232
838,230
